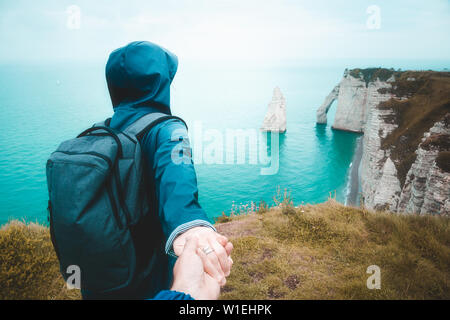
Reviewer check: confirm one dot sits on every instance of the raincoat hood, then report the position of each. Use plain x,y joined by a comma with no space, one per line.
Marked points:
139,75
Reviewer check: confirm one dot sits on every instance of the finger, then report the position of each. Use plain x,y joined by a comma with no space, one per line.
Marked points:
215,262
209,267
228,248
222,257
205,243
178,249
191,244
178,244
213,286
221,239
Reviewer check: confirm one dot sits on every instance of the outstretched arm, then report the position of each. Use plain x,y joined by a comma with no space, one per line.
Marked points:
175,181
169,153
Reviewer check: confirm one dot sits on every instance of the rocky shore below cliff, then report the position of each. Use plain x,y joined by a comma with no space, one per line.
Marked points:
354,186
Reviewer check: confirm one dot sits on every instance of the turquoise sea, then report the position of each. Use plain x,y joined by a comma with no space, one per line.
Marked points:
42,104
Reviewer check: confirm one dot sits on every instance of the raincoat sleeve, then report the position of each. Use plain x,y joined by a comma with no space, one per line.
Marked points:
172,295
168,150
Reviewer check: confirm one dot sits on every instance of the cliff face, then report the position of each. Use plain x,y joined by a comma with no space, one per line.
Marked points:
404,118
379,183
275,119
356,96
323,110
427,186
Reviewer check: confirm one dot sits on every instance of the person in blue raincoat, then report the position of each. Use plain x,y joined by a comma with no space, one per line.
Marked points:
139,76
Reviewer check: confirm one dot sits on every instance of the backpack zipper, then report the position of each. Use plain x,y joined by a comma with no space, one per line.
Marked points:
113,204
92,153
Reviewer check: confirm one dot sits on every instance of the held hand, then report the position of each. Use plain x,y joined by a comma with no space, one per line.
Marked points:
189,276
218,262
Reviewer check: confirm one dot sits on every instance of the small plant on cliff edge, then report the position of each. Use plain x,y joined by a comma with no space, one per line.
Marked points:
331,196
262,207
223,218
284,201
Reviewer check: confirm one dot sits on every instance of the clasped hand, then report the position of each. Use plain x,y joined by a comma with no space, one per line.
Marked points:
198,273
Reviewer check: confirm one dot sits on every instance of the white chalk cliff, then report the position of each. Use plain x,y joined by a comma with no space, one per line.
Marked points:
323,110
355,99
426,187
275,120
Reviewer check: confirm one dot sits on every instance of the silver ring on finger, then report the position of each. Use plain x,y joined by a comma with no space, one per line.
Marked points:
207,250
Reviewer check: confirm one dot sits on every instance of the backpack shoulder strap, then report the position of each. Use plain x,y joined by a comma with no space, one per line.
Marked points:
141,126
103,123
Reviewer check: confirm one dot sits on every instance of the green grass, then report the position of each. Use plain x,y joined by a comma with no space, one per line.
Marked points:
323,251
309,252
371,74
29,268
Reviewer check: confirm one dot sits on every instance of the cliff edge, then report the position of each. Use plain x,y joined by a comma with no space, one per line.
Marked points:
405,117
279,253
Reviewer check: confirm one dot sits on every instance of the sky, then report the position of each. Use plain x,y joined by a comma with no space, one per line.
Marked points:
232,31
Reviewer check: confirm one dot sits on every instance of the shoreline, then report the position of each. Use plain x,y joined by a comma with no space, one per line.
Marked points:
353,193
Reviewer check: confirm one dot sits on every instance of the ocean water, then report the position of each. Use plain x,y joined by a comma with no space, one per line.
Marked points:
43,104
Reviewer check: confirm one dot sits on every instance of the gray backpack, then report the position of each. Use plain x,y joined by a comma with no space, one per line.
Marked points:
96,198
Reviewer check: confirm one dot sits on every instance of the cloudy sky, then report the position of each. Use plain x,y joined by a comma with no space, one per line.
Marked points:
233,30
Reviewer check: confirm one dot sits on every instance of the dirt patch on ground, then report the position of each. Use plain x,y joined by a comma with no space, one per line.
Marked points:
250,226
292,282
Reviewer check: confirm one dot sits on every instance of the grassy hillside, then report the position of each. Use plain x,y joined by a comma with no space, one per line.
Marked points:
29,268
311,252
323,251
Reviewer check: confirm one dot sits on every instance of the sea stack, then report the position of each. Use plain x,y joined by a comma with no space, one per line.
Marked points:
275,120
